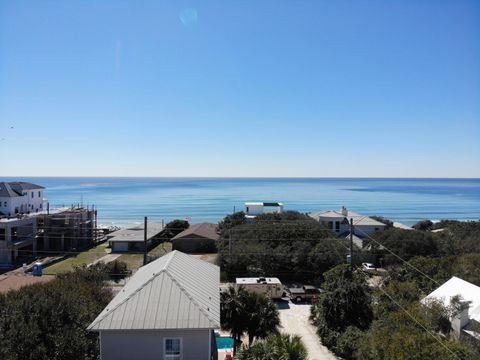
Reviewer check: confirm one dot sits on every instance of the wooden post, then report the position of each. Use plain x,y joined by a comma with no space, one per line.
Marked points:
230,244
145,241
351,243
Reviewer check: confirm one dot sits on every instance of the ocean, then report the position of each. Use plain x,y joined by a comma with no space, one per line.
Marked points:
125,201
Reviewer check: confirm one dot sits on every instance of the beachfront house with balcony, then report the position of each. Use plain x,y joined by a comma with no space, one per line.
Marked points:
253,209
168,309
28,224
339,222
20,198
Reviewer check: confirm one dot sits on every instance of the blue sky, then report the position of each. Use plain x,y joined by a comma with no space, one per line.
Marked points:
240,88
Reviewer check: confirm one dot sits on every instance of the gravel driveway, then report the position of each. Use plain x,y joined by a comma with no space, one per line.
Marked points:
294,320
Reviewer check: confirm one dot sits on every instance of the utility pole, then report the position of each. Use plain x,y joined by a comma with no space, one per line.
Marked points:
96,224
145,241
230,244
351,243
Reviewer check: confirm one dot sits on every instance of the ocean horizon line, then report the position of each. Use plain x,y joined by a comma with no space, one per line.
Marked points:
240,177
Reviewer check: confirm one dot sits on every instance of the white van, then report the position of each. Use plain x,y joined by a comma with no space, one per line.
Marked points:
272,287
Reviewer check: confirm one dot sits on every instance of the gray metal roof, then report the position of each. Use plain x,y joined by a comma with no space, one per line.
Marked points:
176,291
136,233
358,219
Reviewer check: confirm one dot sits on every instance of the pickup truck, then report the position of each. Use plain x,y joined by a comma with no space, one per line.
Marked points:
304,293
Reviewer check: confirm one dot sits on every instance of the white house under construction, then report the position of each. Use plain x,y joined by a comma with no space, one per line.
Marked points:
29,226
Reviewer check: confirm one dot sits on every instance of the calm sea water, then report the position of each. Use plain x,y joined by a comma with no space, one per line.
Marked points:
123,201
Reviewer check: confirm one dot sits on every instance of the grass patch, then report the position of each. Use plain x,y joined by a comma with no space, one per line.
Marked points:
83,258
135,261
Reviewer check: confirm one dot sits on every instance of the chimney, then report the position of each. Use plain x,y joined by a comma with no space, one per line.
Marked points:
344,211
460,319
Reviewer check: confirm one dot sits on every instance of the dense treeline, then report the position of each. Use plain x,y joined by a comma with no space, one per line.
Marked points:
288,245
48,321
401,326
429,272
389,323
454,238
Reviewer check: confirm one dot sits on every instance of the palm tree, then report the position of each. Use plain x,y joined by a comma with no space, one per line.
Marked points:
232,312
243,311
291,346
262,316
275,347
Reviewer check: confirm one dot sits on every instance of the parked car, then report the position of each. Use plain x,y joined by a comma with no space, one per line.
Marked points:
304,293
368,266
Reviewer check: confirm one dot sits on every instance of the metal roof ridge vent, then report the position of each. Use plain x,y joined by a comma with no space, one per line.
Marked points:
169,260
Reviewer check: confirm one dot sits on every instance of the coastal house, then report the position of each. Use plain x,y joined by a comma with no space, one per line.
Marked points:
197,238
339,222
63,229
466,323
253,209
133,239
19,198
17,237
168,310
28,224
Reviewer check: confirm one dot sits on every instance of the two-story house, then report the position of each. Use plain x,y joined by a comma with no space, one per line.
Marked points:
20,198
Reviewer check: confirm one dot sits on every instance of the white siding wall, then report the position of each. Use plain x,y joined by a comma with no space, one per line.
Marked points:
30,204
254,209
148,345
5,209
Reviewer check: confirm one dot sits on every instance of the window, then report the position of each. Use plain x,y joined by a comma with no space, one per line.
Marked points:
337,225
39,194
172,349
32,194
5,204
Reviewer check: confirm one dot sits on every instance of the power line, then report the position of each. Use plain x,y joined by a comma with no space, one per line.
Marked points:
399,257
412,317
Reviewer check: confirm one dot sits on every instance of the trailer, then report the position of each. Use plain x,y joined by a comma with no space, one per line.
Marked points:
272,287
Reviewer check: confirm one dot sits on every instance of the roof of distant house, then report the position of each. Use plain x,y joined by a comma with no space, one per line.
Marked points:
250,281
176,291
456,286
263,204
401,226
136,234
206,230
14,189
358,219
7,191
